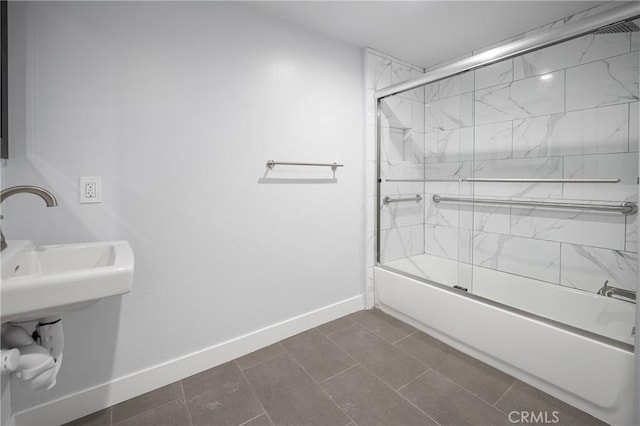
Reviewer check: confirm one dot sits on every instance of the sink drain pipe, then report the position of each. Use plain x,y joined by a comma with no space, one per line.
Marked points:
36,359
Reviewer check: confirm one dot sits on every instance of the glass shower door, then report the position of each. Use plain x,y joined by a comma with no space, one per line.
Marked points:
421,157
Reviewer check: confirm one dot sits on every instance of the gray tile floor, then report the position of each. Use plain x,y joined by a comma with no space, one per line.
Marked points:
364,369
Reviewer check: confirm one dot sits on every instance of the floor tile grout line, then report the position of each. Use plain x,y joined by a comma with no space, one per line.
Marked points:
467,389
253,418
253,391
184,395
338,344
338,331
323,390
413,380
436,369
379,336
335,344
393,346
340,372
151,409
286,352
403,338
263,360
439,370
334,331
417,408
421,363
235,362
416,358
340,348
389,385
488,404
505,392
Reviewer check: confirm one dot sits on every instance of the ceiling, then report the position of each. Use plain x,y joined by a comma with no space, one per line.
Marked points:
423,33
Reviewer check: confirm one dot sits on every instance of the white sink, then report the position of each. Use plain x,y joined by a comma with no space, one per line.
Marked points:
48,280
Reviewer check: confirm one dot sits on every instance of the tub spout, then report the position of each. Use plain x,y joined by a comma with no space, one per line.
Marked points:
617,293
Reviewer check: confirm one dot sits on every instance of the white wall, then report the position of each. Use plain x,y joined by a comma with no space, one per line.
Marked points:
178,106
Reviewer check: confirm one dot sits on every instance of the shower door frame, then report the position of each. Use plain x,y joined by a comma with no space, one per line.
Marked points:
626,12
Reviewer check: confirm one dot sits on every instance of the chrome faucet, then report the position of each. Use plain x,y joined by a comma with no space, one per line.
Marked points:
48,197
617,293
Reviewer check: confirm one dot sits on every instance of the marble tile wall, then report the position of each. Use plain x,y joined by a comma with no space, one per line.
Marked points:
569,111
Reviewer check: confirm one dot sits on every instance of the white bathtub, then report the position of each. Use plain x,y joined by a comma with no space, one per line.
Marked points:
590,373
587,311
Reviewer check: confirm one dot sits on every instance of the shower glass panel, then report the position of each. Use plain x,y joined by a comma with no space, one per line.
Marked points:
484,176
426,148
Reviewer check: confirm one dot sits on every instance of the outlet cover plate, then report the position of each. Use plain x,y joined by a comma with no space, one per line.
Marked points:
90,189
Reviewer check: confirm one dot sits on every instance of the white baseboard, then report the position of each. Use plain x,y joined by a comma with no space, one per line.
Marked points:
85,402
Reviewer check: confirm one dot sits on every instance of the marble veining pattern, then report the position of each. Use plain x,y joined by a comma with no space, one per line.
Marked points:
403,72
430,210
622,166
544,167
571,53
520,99
492,218
578,227
417,118
634,127
401,170
400,72
455,85
431,92
417,239
590,131
457,215
378,72
587,268
392,144
449,113
396,243
414,147
450,173
493,141
396,112
396,215
431,147
521,256
444,241
631,239
606,82
455,144
494,74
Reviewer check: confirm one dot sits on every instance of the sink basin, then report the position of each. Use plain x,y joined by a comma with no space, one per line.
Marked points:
48,280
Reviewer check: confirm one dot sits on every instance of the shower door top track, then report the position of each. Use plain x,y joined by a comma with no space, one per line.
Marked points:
626,12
